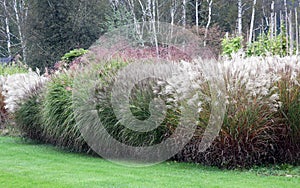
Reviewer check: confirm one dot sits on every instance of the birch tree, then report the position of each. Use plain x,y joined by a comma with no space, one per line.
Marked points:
183,18
173,10
297,30
286,26
6,28
252,22
240,17
210,2
197,4
21,14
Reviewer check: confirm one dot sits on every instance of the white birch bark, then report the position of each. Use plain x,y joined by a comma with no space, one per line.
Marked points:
286,26
197,16
7,28
291,33
183,13
297,31
252,22
210,2
240,17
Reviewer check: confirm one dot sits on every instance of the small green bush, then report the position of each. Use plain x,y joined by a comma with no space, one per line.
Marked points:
267,45
231,45
12,69
70,56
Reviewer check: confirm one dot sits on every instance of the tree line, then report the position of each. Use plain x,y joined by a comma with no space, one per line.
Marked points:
42,31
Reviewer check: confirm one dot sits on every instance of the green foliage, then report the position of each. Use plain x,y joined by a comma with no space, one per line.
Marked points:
264,45
118,18
289,145
70,56
57,114
140,98
267,44
28,118
12,69
254,131
56,27
231,45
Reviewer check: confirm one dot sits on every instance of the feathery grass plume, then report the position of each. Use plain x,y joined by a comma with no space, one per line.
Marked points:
3,111
16,86
99,92
247,136
289,95
6,70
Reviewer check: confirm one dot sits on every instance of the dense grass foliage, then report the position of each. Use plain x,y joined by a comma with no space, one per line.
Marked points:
36,165
59,126
261,124
28,117
101,96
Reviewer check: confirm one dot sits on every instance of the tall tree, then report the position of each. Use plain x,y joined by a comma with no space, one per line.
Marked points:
58,26
210,2
252,22
240,18
183,13
7,27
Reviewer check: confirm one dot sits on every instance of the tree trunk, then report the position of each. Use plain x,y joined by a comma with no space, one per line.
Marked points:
197,16
291,33
297,31
240,17
21,12
252,22
183,13
210,2
272,21
286,26
7,29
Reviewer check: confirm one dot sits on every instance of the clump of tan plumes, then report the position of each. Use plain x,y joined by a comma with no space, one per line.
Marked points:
16,86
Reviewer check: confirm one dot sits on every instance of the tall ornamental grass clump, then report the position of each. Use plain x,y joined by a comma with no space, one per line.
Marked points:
58,121
289,113
28,117
261,124
5,71
104,76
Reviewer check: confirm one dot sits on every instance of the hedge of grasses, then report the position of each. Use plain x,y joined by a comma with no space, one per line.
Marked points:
261,124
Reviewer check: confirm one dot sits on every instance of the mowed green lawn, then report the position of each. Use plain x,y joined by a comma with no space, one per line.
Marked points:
24,164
